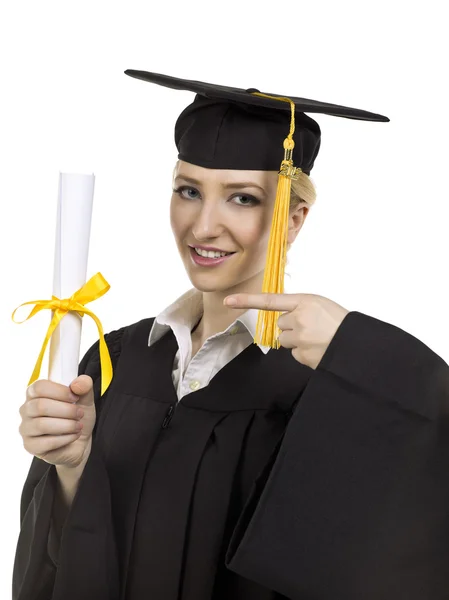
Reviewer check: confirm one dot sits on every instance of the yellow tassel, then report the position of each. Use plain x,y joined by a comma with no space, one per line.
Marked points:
267,331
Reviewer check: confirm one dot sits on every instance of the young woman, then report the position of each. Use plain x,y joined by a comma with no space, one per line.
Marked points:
214,468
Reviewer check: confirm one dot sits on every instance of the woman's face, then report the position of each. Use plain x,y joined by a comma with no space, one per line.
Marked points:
231,211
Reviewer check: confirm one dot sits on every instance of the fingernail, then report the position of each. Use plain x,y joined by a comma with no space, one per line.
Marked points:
80,413
231,301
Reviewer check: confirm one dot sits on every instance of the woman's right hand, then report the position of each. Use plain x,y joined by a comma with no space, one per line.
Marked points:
53,428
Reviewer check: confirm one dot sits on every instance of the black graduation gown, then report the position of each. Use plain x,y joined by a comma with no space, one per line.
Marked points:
275,481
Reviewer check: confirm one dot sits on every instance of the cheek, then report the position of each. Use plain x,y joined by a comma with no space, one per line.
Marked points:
173,220
178,218
254,232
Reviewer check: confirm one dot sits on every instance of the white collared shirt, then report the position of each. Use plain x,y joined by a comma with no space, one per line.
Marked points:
190,374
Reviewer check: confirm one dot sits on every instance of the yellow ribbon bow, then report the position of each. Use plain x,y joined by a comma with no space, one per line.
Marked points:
91,290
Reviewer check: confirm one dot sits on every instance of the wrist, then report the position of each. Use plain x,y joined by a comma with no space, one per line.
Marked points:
74,471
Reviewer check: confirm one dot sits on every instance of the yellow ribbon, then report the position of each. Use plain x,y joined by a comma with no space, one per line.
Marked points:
91,290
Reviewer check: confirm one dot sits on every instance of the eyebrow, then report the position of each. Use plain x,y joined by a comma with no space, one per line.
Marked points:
241,184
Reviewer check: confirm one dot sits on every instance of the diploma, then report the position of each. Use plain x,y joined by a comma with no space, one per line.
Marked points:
73,225
71,292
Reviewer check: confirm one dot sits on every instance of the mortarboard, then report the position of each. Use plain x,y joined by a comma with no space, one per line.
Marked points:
231,128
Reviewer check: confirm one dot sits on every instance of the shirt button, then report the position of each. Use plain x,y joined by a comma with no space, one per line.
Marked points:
194,385
234,330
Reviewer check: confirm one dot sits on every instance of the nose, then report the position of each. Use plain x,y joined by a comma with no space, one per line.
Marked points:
208,222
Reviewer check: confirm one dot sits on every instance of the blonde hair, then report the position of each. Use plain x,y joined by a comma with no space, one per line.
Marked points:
302,191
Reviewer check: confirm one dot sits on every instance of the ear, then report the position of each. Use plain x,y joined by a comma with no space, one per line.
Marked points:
296,220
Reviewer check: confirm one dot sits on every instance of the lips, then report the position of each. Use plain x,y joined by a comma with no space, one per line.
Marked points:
204,261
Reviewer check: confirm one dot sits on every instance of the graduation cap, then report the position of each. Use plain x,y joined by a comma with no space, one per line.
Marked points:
231,128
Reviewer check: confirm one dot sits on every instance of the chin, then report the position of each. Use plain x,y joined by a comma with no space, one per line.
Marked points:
206,283
211,282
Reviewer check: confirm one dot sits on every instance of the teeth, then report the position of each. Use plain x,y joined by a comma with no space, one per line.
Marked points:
210,253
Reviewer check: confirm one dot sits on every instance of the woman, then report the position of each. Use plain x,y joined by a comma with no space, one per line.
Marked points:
214,468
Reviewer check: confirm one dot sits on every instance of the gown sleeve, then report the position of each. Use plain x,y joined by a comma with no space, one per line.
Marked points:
355,503
35,563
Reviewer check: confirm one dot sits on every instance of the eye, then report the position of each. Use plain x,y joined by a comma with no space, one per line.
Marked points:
181,189
250,200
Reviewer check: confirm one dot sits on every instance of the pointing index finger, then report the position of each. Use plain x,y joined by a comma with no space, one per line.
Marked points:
276,302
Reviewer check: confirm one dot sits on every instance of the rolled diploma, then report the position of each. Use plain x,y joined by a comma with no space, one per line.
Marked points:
73,224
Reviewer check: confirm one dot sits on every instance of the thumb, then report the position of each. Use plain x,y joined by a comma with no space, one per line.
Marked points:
82,386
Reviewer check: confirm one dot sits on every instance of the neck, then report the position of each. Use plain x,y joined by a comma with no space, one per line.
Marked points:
216,316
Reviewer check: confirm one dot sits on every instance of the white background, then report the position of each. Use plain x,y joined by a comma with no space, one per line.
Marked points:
375,242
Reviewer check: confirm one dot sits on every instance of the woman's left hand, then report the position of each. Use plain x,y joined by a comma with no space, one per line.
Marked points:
307,326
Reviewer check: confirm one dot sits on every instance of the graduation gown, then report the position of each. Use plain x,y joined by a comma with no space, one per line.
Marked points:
275,481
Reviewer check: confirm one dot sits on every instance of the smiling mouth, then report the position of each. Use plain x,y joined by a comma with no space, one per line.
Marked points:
205,261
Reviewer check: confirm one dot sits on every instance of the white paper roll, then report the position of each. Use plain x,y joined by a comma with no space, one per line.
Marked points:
73,224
